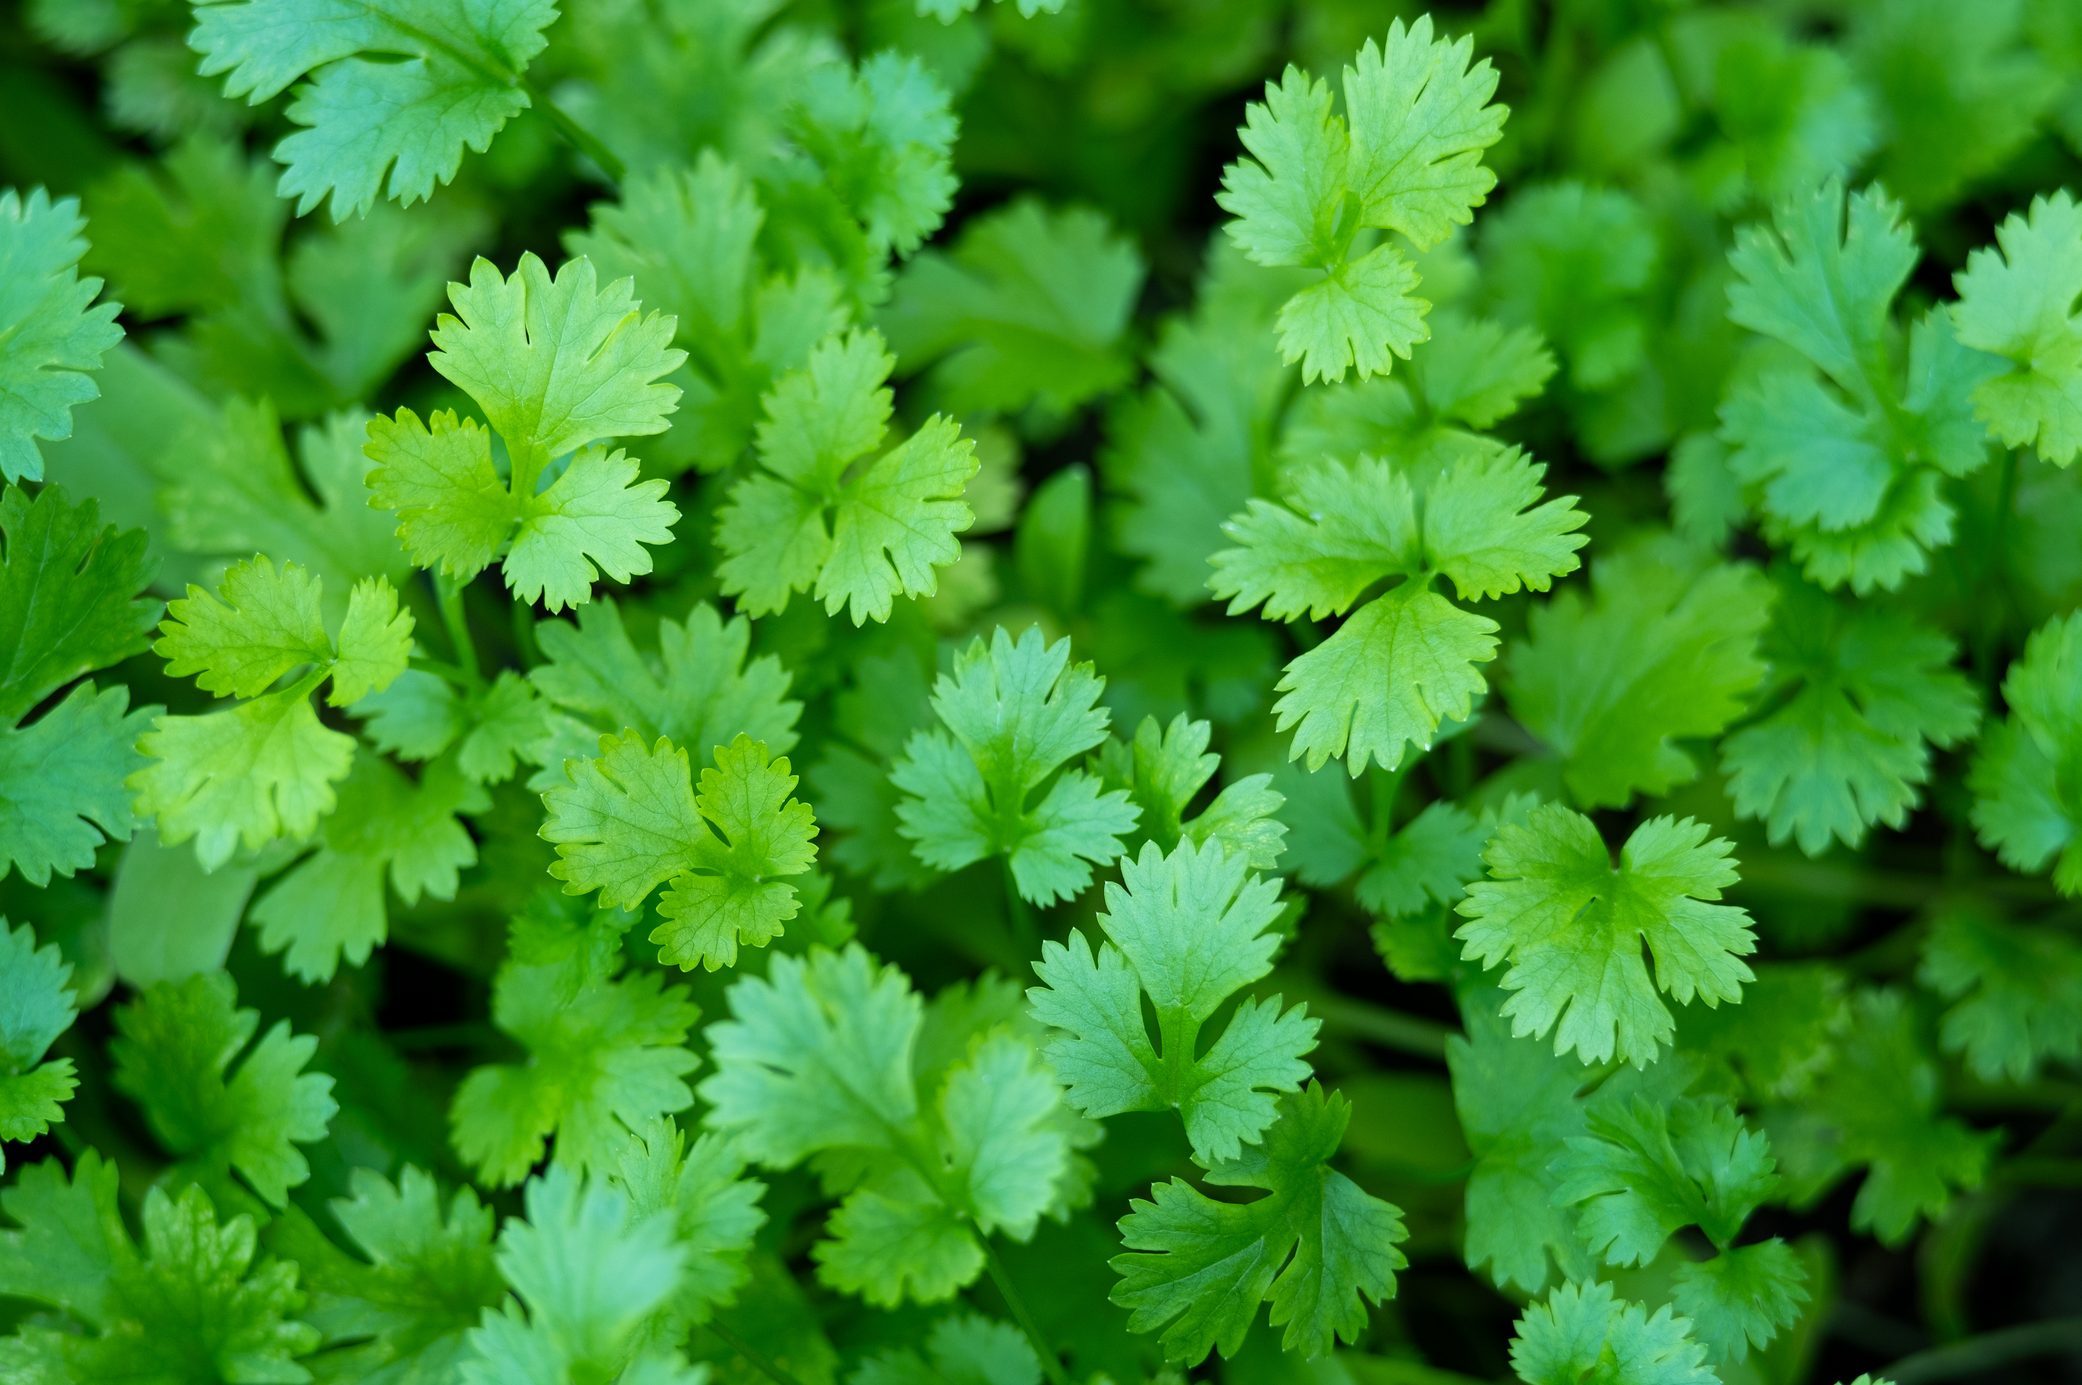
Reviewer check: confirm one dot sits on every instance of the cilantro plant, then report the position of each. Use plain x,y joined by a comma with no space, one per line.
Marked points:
1090,692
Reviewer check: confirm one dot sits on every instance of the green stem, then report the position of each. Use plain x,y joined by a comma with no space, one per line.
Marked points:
448,596
1978,1358
1050,1363
577,135
1021,917
1988,630
1376,1024
757,1359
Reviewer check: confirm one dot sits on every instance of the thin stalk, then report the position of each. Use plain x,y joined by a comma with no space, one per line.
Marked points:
1978,1358
1421,1038
1986,629
754,1357
1024,929
448,596
441,669
1050,1364
577,135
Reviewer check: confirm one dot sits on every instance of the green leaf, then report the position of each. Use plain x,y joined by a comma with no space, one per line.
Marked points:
2027,772
2015,993
1571,927
63,782
192,1301
1013,714
966,1349
174,1050
1479,524
69,595
1844,452
1028,310
395,91
1164,770
52,333
1861,698
1187,930
1742,1298
1575,262
1317,1246
2016,301
557,365
36,1006
830,511
589,1273
632,820
701,688
1582,1335
605,1052
1664,650
714,1207
418,1281
330,905
1876,1104
1405,157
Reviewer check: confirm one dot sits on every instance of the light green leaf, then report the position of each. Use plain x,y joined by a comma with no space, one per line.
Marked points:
52,333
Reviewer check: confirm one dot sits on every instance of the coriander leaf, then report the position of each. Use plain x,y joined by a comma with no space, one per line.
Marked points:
69,595
2027,772
52,333
1028,310
605,1052
1581,1335
966,1349
418,1281
395,91
1664,650
818,1058
631,820
1571,926
192,1301
1876,1104
36,1006
691,236
1163,770
875,142
1317,1246
1013,714
240,778
174,1049
267,622
2015,993
557,365
1575,262
1845,452
714,1207
1862,698
1518,1103
1405,157
330,905
1187,930
1741,1298
700,688
2016,301
588,1274
888,698
830,512
1406,660
68,605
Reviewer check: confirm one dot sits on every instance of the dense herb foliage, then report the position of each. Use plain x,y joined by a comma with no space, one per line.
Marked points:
872,692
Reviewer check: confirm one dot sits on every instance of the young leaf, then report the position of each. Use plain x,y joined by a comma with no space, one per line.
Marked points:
1572,927
631,820
558,365
605,1052
174,1049
1406,660
2025,772
2016,301
69,604
193,1301
832,513
2015,993
395,91
1013,714
1581,1332
1317,1246
1404,157
1187,930
52,333
36,1006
